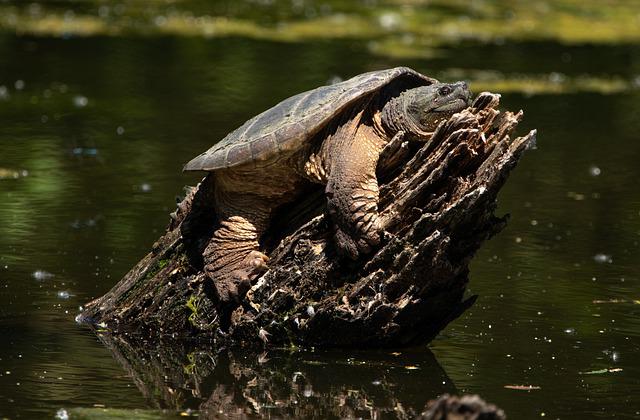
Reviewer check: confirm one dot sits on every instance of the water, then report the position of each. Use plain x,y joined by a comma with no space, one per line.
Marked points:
93,134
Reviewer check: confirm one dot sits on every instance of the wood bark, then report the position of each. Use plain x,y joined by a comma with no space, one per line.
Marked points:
437,203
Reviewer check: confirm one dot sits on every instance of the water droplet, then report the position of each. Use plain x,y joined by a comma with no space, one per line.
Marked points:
145,187
120,130
576,196
41,275
615,356
62,414
160,20
63,294
4,92
389,21
80,101
594,170
602,258
19,84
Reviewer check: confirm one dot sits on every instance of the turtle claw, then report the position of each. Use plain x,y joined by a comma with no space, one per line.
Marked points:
356,245
258,261
345,244
235,286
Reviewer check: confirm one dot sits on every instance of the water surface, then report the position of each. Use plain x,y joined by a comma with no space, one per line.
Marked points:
94,130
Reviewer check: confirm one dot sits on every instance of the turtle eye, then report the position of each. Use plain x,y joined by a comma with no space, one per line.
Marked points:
444,90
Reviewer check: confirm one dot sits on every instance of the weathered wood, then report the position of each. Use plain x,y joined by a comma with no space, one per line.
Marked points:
437,203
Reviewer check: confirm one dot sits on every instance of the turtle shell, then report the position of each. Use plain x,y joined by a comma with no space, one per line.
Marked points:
287,126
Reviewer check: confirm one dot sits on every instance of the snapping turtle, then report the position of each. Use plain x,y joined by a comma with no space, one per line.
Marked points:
332,135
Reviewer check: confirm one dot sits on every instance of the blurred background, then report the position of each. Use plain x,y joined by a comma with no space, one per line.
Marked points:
102,102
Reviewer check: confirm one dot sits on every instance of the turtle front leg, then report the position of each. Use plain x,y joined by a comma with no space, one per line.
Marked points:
352,192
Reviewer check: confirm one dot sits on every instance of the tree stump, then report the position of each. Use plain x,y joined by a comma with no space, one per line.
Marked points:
437,203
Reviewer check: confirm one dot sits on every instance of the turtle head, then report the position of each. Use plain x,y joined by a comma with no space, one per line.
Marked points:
425,107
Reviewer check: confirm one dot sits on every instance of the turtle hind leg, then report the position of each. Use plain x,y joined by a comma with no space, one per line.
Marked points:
232,259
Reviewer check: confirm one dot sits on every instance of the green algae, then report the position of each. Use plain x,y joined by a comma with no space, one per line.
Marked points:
162,263
419,23
540,84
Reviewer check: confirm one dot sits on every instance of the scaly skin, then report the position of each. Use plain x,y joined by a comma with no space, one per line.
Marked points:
232,254
351,157
344,159
232,257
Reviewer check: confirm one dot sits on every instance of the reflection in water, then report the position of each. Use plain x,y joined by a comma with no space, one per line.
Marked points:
281,383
